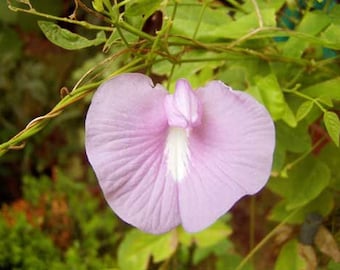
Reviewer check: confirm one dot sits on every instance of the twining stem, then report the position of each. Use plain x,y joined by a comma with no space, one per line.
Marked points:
17,142
40,122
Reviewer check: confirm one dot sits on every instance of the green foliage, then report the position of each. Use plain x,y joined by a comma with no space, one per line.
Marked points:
332,124
284,53
290,258
137,248
20,245
66,39
55,219
271,95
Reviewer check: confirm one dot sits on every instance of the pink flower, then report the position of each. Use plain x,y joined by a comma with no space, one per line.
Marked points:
164,160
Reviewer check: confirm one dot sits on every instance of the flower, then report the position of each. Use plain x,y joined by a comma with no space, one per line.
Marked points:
164,160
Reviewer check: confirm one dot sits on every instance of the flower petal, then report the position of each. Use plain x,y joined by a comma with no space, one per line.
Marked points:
183,108
231,155
126,132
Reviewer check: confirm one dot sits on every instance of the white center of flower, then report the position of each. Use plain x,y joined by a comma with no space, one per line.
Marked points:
184,113
177,152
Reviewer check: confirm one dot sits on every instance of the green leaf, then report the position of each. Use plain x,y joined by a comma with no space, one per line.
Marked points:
208,237
331,156
243,25
332,34
311,176
279,158
188,18
312,23
137,248
271,95
142,7
296,140
289,116
219,249
304,109
326,101
323,205
98,5
289,257
327,89
263,4
332,124
66,39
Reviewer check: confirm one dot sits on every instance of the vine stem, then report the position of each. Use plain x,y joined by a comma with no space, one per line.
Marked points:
264,240
258,13
33,127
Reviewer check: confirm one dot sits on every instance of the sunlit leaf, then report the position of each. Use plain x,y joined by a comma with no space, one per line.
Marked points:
326,100
208,237
332,124
289,116
244,25
98,5
289,257
66,39
271,95
188,18
142,7
312,23
332,34
304,109
137,248
279,158
326,89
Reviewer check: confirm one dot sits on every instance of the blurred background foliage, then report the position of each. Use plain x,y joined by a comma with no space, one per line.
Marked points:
284,53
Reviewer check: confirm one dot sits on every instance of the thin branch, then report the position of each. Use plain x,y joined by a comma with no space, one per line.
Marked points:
265,240
258,13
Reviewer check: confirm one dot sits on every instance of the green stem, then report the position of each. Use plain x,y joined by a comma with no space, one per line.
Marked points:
258,13
317,103
124,25
264,240
200,19
290,165
37,124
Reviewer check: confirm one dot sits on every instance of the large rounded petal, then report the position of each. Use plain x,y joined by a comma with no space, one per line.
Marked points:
126,131
231,155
